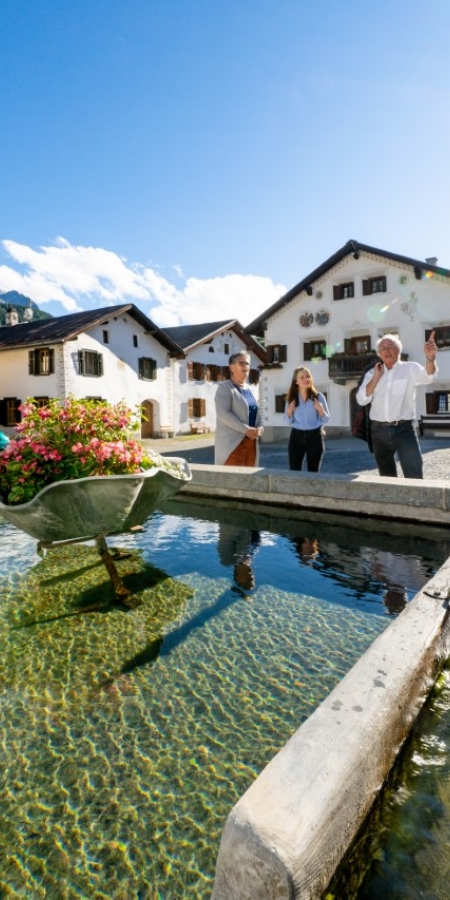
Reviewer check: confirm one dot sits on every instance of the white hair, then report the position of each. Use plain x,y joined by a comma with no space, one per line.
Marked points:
394,338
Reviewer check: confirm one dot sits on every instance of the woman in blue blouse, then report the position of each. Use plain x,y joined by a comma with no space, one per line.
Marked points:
307,411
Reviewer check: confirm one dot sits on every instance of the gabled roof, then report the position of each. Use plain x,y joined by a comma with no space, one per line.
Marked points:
190,336
66,328
351,247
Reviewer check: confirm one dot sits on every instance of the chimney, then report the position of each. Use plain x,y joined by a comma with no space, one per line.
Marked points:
12,316
431,260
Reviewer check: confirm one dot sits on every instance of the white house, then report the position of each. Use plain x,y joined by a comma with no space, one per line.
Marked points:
207,349
332,319
117,354
113,354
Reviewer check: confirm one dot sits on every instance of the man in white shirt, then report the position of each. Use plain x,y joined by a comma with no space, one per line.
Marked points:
390,387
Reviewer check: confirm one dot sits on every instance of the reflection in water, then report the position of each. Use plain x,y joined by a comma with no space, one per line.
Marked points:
237,547
307,549
371,571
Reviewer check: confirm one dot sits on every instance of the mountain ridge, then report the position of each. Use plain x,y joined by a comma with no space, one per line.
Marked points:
19,302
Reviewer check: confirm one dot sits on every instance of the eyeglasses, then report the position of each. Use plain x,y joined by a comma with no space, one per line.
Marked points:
240,364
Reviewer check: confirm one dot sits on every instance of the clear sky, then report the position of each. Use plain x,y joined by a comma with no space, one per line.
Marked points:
200,157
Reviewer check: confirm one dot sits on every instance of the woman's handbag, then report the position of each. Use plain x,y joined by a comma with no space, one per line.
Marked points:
361,426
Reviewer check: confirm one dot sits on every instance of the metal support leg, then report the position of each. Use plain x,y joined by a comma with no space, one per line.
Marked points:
121,591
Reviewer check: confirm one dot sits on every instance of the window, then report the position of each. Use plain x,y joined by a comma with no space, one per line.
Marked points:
277,353
41,362
9,411
105,337
211,349
315,350
226,349
147,368
40,401
135,340
196,407
196,371
216,373
437,402
442,336
90,363
253,377
343,291
357,344
280,403
374,285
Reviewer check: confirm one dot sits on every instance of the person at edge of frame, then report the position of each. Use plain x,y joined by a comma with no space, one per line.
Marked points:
307,412
4,441
390,388
238,419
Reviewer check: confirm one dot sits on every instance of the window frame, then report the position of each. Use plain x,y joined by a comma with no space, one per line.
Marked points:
85,360
41,361
276,354
376,284
442,336
147,368
350,344
344,291
309,354
196,407
10,414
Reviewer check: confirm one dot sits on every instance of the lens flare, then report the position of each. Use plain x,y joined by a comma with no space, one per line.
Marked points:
376,313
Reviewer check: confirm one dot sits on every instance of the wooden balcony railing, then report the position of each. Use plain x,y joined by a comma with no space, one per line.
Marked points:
344,367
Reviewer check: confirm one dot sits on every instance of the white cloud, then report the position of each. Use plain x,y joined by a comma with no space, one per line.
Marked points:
79,278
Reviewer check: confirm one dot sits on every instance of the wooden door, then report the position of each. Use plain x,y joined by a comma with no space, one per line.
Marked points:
147,419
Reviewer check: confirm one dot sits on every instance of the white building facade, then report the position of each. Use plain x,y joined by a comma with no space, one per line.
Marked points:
207,349
331,321
119,354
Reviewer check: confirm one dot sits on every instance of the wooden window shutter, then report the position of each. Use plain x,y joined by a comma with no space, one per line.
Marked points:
2,412
336,292
190,371
31,362
254,376
18,414
203,407
140,367
347,345
307,352
81,362
154,369
367,287
431,403
383,281
51,361
282,353
190,406
100,364
270,354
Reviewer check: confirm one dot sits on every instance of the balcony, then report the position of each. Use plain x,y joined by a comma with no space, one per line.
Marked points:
343,367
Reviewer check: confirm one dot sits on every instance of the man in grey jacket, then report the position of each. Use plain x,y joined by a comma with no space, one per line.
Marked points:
238,420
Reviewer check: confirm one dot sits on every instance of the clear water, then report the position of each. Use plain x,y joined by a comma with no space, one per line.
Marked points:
127,736
404,849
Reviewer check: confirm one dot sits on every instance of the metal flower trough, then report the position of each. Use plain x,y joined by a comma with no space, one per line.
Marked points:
94,507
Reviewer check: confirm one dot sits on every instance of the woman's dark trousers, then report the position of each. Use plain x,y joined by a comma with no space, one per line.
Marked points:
306,443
